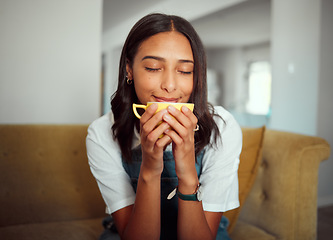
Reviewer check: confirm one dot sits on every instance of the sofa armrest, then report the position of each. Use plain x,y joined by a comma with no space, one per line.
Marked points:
283,200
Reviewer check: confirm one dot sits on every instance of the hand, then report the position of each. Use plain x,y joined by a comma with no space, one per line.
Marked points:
151,128
183,123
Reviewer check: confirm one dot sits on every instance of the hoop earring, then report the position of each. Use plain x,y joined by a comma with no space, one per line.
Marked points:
129,81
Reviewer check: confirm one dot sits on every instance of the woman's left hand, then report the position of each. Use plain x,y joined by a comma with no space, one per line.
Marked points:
182,123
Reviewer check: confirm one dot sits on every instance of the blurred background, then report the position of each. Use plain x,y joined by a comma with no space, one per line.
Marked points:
270,62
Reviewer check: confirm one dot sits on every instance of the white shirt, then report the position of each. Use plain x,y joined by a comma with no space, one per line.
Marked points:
219,178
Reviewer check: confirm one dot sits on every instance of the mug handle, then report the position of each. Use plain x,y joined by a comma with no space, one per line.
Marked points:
135,106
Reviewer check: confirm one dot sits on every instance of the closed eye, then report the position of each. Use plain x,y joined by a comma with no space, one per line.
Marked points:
152,69
185,72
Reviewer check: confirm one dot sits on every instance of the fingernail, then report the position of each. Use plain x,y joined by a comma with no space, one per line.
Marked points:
185,109
171,108
163,111
153,106
166,117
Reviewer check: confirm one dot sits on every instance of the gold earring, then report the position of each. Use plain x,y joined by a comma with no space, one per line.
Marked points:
129,81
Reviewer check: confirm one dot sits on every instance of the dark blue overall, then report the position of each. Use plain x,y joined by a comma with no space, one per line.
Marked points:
169,180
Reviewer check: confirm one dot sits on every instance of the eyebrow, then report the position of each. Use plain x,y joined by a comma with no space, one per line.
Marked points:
164,60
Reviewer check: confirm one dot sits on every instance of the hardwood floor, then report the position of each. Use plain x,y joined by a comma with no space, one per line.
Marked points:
325,223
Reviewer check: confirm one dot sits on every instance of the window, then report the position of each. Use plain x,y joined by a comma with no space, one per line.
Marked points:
260,80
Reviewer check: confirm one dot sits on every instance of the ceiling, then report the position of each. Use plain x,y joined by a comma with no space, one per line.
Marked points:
244,24
116,11
247,23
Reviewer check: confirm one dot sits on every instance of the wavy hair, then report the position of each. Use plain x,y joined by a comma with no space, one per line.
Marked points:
125,96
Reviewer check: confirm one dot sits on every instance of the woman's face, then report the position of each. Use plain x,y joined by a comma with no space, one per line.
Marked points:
162,69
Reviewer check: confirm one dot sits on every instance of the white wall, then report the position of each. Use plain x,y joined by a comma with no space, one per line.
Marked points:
325,101
50,61
188,9
302,85
111,63
228,63
295,61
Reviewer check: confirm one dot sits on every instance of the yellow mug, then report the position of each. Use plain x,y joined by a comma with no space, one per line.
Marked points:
161,106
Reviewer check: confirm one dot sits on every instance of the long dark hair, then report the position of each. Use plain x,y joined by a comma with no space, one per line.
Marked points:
125,96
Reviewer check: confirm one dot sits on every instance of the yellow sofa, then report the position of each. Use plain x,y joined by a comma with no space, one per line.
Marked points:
48,192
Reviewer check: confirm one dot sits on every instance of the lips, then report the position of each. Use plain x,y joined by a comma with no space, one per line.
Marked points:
164,99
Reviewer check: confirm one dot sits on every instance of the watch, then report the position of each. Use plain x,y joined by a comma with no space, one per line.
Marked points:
196,196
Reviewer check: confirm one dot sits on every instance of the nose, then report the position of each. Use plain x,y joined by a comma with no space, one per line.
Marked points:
169,82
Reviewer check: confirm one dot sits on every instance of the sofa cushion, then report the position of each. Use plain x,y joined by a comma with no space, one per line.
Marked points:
45,175
81,230
250,159
244,230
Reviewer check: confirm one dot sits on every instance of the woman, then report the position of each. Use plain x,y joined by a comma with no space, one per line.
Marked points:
163,60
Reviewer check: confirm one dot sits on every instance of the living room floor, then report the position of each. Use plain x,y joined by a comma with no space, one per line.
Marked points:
325,223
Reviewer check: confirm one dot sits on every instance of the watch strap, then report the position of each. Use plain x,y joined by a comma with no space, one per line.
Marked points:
189,197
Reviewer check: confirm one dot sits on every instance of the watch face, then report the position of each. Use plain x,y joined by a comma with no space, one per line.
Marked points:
199,195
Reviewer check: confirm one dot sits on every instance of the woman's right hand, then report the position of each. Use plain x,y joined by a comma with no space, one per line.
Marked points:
151,143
